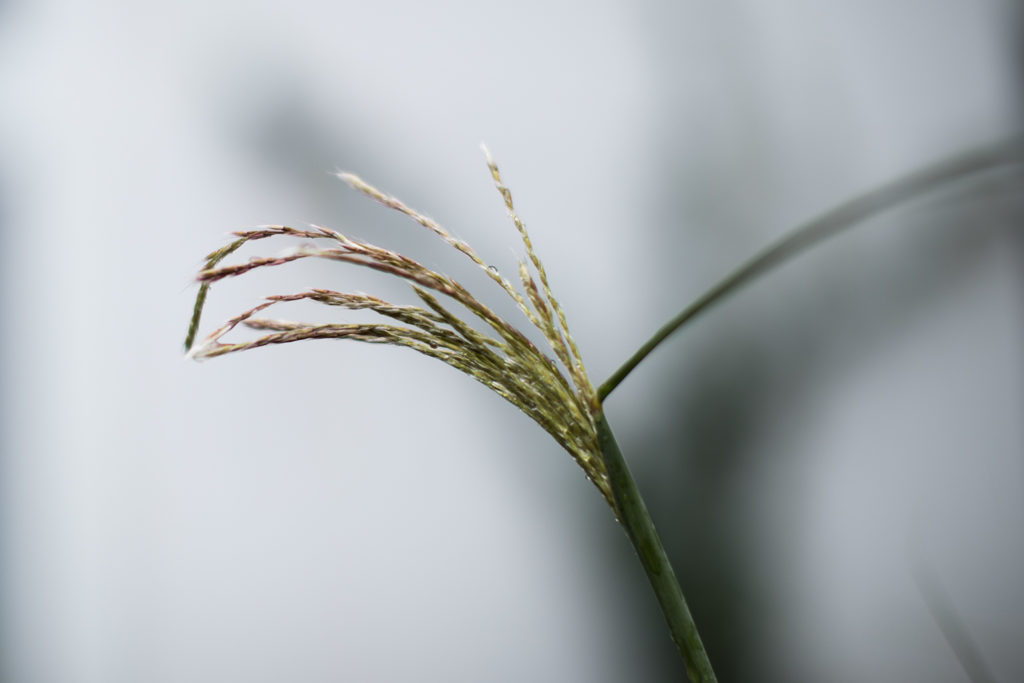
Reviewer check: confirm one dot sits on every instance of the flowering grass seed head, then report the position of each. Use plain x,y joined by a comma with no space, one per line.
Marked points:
565,403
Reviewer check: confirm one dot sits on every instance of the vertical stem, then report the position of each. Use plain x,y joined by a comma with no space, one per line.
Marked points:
639,526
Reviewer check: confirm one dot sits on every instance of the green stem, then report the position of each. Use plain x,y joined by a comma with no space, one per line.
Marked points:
640,529
828,224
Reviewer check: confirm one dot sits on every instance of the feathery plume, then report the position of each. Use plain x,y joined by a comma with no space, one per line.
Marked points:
565,403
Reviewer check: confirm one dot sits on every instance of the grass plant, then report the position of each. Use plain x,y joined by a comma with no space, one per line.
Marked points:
549,385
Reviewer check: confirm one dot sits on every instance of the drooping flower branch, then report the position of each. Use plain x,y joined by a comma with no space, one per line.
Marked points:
557,394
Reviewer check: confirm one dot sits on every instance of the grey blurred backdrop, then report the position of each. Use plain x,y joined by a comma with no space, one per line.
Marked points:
339,512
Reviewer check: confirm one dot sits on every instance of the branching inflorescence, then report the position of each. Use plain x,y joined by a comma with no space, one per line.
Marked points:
557,394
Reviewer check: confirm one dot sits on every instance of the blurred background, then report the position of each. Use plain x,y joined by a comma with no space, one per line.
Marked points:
329,512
